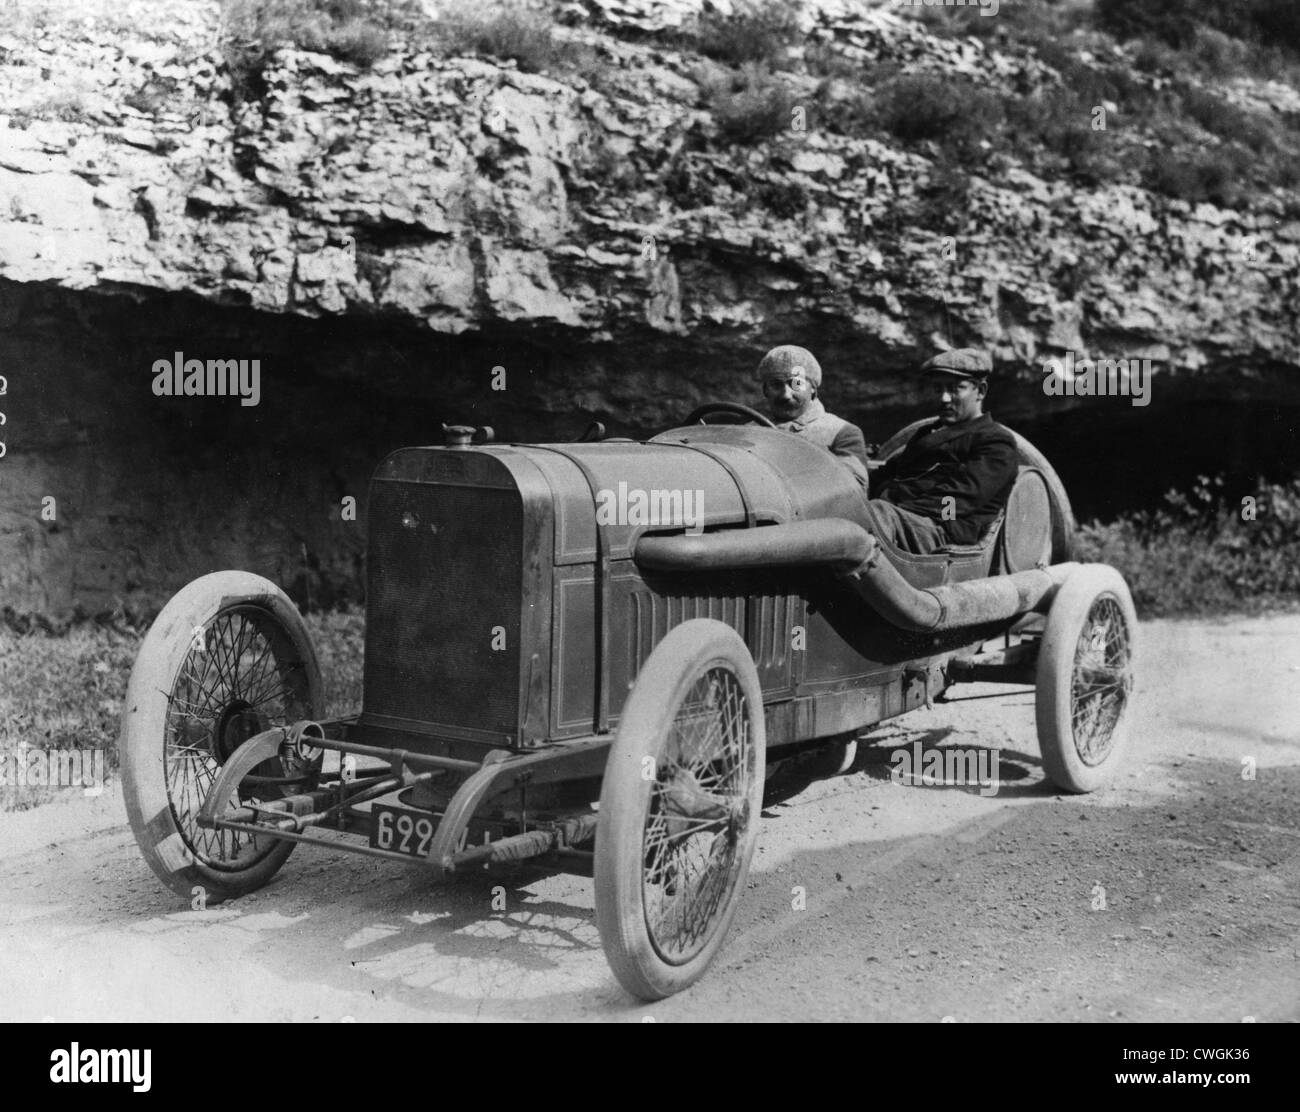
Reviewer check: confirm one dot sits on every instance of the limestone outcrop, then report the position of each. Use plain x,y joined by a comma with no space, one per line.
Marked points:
592,231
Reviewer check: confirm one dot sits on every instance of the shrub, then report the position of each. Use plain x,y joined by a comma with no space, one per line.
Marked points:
1049,116
66,105
1219,54
1171,21
1050,130
958,114
356,31
756,31
1204,175
754,105
1225,120
1057,122
1025,20
520,34
825,59
358,42
1155,56
1196,554
1181,23
1089,157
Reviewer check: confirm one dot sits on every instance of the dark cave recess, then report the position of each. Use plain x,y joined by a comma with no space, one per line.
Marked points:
339,393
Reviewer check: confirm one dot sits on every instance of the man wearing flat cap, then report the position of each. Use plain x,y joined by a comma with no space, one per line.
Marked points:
952,478
791,379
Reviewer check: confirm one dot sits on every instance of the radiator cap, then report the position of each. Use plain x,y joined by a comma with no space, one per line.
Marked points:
462,436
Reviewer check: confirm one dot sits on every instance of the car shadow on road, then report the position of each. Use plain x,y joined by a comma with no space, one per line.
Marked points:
512,943
919,758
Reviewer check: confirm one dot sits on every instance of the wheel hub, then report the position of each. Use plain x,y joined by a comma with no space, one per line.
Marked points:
235,725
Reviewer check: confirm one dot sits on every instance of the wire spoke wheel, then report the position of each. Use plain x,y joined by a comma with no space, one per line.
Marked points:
1102,680
228,658
240,676
679,809
697,817
1085,678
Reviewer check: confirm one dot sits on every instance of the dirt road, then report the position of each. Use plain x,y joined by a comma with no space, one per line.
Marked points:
1174,895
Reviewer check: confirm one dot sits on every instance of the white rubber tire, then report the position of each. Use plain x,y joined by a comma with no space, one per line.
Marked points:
142,737
1058,654
689,651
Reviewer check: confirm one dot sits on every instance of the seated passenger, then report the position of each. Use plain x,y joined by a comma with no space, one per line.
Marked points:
790,378
952,479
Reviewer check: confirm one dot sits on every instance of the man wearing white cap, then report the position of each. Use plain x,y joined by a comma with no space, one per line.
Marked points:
791,378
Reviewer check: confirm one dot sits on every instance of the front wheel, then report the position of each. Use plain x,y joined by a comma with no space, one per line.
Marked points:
1085,678
679,809
228,657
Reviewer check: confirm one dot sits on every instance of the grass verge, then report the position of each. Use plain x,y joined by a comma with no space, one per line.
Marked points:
62,692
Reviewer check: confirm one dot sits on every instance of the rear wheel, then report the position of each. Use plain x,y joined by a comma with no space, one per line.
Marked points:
679,809
1085,678
227,658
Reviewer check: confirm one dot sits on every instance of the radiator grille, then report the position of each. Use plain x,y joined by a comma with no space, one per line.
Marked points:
444,580
763,620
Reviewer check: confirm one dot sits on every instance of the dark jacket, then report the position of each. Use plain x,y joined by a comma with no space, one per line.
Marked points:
974,462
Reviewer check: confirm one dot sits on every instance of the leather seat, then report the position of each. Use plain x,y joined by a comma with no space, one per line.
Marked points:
981,546
1025,540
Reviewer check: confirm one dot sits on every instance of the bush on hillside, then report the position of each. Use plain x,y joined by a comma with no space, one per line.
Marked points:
1179,22
956,113
356,31
1204,552
755,31
514,32
1212,174
751,105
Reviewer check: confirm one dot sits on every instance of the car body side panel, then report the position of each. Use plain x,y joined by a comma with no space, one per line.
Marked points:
517,662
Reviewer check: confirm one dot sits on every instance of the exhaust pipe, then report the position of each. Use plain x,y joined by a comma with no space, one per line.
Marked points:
854,554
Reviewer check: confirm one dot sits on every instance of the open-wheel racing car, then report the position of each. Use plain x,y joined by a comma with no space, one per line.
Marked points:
544,682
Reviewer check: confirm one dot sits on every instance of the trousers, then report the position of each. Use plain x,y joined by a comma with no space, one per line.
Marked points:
910,531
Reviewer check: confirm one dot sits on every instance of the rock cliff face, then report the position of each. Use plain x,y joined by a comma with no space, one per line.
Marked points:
381,240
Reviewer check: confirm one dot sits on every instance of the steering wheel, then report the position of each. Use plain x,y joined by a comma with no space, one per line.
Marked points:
699,414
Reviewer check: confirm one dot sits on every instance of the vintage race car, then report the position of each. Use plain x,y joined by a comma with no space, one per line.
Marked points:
591,655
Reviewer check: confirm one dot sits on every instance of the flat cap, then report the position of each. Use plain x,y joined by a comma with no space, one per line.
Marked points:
963,362
787,360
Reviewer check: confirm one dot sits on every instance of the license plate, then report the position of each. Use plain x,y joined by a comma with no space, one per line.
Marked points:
401,831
